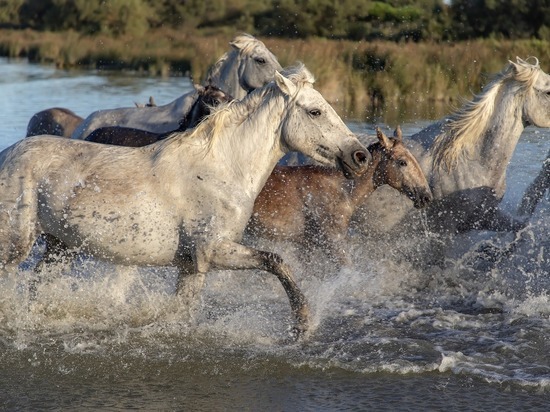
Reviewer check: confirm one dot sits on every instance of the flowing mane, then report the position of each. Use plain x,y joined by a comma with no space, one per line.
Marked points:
213,126
461,134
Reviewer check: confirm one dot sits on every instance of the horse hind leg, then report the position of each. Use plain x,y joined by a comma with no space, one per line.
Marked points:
55,251
17,230
234,256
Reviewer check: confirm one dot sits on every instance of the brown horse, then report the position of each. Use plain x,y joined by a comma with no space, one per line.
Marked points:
56,121
313,205
208,96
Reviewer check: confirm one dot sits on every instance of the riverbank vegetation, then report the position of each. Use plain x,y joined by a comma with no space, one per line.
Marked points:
369,57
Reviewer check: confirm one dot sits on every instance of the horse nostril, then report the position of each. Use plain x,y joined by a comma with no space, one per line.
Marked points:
360,157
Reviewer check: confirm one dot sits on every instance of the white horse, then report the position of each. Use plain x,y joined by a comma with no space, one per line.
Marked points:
465,156
247,66
183,201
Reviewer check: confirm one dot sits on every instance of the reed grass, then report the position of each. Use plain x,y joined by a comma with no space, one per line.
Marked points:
363,80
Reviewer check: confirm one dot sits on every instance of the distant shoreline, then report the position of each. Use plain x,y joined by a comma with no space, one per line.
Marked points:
362,79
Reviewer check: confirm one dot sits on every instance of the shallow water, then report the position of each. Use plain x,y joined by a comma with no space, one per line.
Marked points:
386,335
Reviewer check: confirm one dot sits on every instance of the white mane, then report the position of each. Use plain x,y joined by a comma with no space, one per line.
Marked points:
212,131
462,134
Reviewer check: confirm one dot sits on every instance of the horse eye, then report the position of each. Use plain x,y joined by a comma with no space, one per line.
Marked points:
315,112
402,163
259,60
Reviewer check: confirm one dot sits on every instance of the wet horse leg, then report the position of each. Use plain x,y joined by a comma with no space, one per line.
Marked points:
55,249
226,254
189,282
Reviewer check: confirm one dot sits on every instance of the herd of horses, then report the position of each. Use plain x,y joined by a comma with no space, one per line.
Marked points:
183,184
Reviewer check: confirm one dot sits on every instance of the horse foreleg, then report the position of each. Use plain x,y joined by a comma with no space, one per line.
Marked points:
232,255
190,282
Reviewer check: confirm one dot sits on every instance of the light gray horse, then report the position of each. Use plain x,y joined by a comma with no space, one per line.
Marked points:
465,157
183,201
247,66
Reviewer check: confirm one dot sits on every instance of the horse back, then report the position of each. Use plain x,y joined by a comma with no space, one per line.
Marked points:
123,136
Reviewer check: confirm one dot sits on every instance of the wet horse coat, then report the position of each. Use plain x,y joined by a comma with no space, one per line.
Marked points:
183,201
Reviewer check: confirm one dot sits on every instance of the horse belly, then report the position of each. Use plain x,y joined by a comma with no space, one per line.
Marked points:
147,236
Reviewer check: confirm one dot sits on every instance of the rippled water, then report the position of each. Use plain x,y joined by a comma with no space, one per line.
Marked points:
386,335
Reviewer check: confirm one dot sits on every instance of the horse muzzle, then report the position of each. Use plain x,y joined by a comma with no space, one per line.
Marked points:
356,165
420,198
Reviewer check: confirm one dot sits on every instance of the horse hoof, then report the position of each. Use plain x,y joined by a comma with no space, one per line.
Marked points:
300,329
297,333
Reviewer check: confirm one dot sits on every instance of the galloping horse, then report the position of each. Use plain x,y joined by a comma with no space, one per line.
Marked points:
209,97
465,157
313,205
247,66
55,121
183,201
536,190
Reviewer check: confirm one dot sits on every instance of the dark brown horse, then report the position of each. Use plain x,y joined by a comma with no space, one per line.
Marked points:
313,205
208,96
56,121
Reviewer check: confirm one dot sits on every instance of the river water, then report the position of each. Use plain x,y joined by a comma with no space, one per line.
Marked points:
387,336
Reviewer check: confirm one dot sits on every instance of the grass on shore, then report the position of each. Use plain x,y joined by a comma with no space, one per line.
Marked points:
362,80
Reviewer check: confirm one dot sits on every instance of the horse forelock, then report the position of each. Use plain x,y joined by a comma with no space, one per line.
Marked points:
246,43
299,74
461,135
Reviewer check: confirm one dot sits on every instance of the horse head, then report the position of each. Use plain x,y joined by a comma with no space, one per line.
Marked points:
248,66
396,166
257,64
311,126
536,108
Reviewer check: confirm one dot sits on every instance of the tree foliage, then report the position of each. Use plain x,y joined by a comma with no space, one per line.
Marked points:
399,20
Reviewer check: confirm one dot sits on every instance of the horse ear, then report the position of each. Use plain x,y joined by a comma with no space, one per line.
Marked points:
383,139
398,134
286,86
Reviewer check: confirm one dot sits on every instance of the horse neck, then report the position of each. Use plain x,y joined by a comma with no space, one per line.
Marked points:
197,112
226,77
180,106
245,149
502,134
255,155
494,149
364,185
